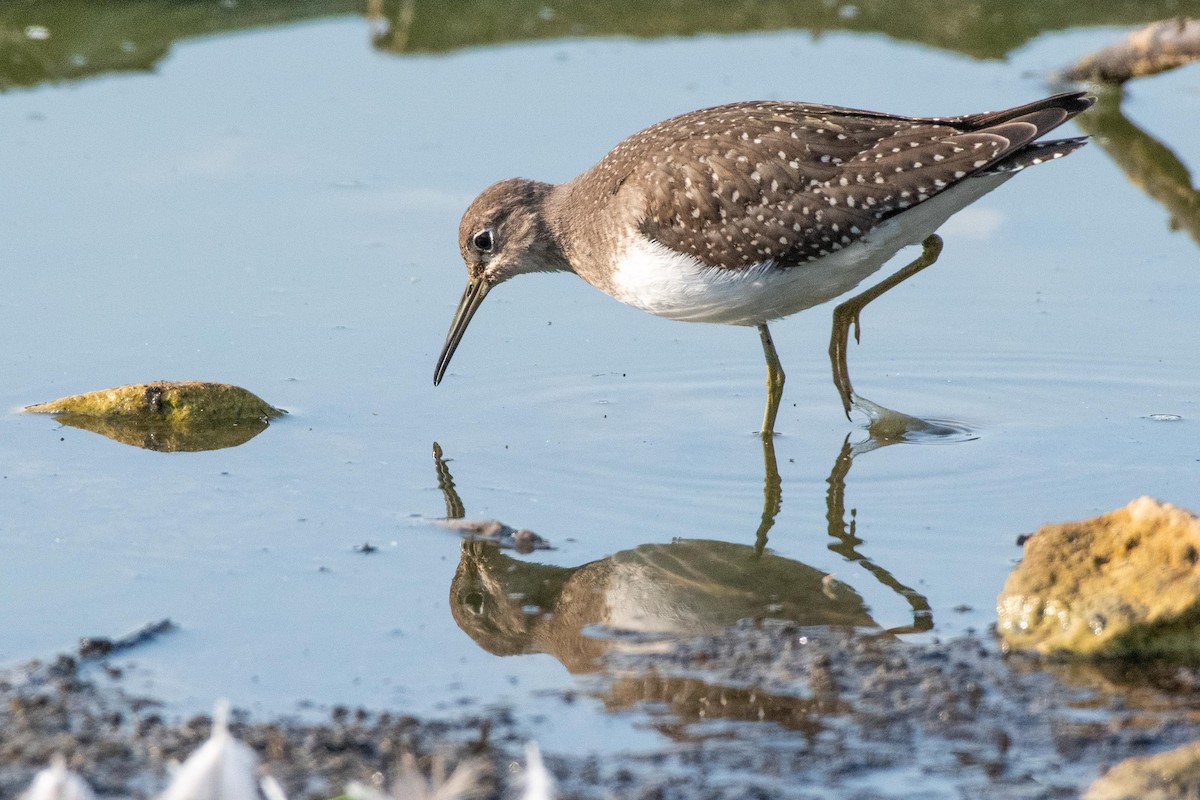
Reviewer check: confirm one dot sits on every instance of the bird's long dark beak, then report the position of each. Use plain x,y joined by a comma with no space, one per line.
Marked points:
477,289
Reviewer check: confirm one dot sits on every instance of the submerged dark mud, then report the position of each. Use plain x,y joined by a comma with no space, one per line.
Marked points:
876,717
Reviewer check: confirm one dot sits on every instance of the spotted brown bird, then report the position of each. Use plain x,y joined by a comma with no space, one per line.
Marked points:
749,212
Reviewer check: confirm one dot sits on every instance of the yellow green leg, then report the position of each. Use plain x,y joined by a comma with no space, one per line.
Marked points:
775,378
846,315
772,485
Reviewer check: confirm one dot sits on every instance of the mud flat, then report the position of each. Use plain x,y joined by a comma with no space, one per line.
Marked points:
761,710
123,745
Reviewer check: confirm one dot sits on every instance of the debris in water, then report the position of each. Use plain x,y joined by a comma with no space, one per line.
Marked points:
495,532
100,646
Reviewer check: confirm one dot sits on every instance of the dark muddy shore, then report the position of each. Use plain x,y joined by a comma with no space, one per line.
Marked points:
123,745
770,711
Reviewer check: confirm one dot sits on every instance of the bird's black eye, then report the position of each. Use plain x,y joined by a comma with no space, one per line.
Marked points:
483,240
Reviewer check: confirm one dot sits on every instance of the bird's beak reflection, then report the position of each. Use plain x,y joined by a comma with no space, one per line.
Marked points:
477,289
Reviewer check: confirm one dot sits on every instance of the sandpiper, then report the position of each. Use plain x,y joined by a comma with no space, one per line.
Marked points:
748,212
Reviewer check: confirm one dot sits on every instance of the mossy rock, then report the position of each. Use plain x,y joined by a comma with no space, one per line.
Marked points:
1172,775
167,416
1124,584
175,402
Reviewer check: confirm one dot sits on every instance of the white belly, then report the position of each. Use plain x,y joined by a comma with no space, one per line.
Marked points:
654,278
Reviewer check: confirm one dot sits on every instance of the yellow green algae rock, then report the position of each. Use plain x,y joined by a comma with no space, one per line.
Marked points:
167,416
1172,775
1124,584
170,401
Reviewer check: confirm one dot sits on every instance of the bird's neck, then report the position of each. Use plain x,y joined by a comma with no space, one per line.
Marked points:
587,227
546,250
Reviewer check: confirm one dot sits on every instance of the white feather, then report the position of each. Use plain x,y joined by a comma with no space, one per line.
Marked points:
56,782
221,769
464,783
539,783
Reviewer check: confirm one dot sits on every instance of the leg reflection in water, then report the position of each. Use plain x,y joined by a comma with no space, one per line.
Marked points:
843,531
846,539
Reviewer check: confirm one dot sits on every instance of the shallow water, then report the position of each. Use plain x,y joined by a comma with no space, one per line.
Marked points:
278,209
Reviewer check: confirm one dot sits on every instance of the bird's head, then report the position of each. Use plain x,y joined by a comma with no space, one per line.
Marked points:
503,233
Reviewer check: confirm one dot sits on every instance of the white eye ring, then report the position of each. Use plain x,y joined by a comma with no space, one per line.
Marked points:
484,241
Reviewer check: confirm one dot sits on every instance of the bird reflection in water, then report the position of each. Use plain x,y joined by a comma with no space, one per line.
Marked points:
637,598
653,594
